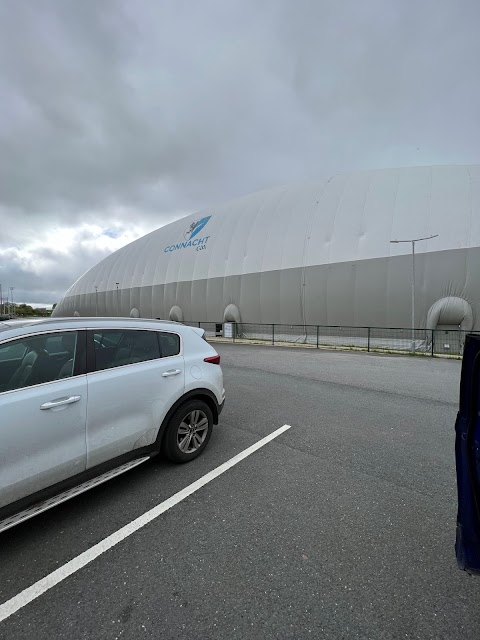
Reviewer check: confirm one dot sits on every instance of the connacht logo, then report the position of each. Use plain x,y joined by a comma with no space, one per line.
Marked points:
195,228
200,244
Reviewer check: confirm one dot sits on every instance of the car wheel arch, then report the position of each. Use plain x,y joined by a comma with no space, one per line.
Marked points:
205,395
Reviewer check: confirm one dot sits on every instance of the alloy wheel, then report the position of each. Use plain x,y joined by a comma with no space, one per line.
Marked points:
192,431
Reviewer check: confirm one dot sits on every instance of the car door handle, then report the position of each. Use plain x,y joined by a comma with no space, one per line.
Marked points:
172,372
59,402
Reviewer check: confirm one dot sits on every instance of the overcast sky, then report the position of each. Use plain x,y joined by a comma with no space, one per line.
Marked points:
118,117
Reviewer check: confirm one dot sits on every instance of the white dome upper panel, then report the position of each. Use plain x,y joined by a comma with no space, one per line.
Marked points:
332,220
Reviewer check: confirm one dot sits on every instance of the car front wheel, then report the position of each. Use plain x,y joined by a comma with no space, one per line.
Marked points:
188,431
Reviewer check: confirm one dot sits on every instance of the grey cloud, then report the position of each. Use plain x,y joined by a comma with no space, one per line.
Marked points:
391,75
44,288
44,275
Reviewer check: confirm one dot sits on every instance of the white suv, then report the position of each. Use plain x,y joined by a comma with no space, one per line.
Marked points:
84,399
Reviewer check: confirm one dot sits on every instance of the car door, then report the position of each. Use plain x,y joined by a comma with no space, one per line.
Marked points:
43,406
134,376
467,454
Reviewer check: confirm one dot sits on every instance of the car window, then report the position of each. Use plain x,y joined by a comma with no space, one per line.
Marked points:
108,338
115,348
12,351
54,344
37,359
169,344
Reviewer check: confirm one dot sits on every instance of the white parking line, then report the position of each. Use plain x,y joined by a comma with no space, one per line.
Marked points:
23,598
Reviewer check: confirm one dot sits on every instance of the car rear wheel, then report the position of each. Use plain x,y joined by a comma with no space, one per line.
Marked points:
188,431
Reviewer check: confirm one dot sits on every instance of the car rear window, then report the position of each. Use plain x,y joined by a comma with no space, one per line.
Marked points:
169,344
114,348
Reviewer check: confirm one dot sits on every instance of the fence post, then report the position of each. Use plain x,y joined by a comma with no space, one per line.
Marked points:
273,334
433,343
368,340
317,335
199,325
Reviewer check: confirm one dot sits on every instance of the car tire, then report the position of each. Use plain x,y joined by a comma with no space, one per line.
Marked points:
188,432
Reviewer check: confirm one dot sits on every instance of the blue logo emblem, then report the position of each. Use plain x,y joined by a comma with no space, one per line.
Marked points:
195,228
191,232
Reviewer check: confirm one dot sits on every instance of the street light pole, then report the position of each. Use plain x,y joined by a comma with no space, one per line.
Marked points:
12,308
118,304
96,300
413,241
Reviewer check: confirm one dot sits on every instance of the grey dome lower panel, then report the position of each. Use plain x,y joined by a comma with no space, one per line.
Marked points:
373,292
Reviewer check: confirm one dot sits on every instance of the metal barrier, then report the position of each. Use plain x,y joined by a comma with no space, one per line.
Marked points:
424,342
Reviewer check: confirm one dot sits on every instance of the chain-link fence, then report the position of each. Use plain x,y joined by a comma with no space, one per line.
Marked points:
425,342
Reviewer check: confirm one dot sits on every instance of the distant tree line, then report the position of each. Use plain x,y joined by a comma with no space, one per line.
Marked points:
26,310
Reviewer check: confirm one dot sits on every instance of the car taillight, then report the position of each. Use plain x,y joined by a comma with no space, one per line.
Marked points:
212,359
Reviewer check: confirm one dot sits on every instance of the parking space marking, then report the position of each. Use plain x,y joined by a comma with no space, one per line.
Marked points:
29,594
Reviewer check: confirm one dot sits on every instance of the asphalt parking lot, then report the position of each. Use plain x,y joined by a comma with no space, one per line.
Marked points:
341,527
